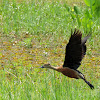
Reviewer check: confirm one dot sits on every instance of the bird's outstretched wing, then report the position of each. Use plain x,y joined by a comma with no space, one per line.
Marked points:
75,50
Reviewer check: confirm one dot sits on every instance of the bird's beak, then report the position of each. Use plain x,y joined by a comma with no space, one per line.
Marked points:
41,67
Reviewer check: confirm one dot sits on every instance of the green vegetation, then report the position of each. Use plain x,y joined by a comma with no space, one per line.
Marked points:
34,32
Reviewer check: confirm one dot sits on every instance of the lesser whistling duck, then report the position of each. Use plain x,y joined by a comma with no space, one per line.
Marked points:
75,51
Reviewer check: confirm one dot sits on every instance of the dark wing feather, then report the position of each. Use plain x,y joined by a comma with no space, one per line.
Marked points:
83,44
75,50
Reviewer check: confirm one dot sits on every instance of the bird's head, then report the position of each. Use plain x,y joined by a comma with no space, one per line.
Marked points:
46,66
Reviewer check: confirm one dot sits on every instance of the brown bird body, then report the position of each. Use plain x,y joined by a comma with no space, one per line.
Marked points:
65,71
75,51
68,72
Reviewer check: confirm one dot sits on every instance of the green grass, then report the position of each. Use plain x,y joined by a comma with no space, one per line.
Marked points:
35,32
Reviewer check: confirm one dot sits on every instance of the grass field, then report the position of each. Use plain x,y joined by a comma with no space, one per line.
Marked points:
36,32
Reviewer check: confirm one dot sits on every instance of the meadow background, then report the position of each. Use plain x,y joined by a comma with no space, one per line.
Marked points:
34,32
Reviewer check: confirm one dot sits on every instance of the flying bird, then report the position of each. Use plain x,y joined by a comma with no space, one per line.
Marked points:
75,51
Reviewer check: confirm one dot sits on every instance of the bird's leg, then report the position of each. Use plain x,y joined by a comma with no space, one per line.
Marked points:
83,77
91,86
